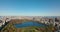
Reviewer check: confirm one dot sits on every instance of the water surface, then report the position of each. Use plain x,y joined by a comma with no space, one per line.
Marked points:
28,24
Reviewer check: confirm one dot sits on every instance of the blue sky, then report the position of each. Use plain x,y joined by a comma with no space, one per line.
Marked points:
29,7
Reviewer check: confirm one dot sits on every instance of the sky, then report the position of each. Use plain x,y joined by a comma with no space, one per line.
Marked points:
29,7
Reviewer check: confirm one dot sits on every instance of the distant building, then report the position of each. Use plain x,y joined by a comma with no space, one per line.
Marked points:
56,20
1,23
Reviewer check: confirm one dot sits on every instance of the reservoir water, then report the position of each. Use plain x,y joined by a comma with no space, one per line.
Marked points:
29,23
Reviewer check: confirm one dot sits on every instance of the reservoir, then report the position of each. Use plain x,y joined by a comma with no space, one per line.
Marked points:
29,23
